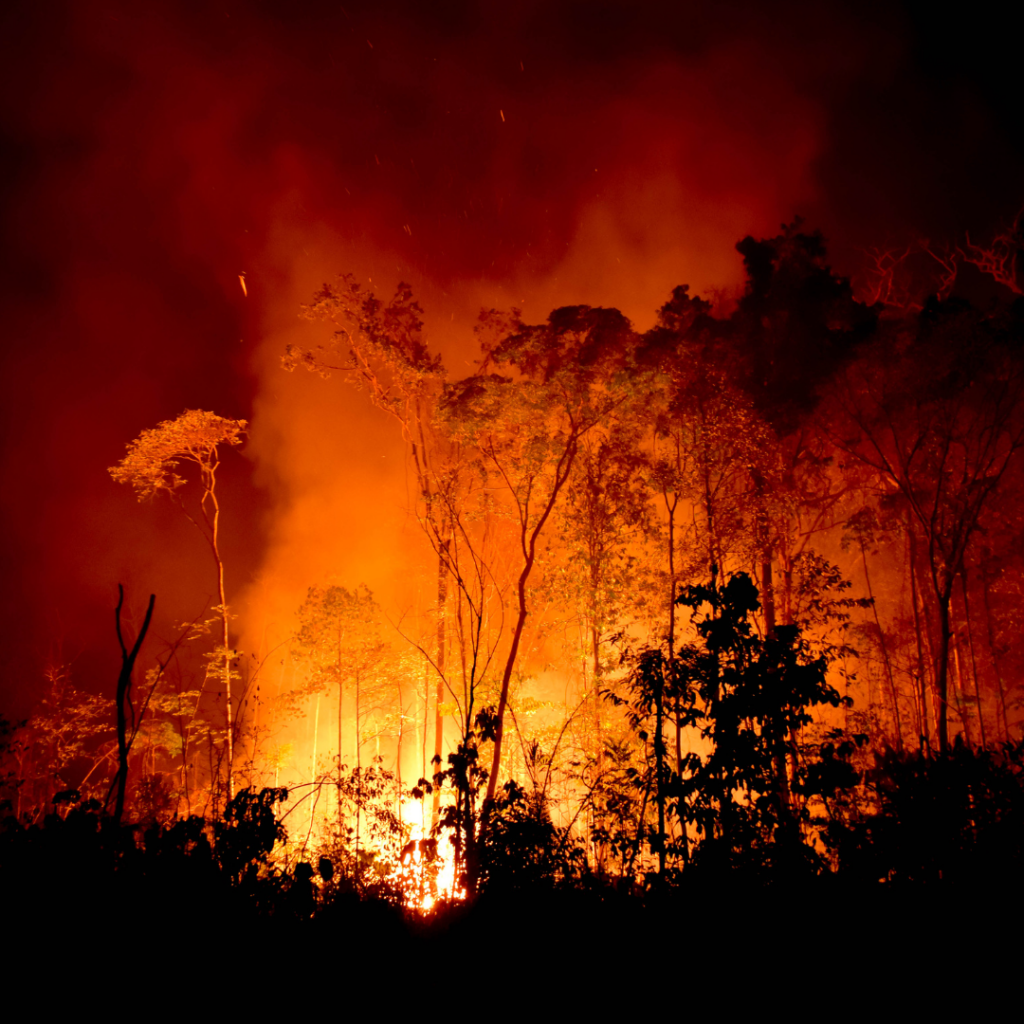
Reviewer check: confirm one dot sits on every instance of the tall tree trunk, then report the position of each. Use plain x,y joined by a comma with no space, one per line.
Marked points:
595,688
214,521
942,596
339,668
671,508
341,691
768,594
714,551
659,762
124,685
974,660
398,752
922,680
422,736
442,648
993,654
506,679
528,541
765,547
359,784
885,651
959,690
316,738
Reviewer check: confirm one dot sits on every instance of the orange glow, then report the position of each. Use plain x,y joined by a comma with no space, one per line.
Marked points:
155,155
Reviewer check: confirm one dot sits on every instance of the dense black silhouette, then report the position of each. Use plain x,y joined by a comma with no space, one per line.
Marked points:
124,686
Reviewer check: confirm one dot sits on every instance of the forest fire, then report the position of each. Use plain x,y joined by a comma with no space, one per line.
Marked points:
596,524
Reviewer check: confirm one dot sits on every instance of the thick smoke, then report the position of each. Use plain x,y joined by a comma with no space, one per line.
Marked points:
538,155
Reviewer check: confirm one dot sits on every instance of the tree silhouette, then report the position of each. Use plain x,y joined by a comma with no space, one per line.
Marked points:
151,468
747,696
566,376
124,684
937,415
379,347
339,640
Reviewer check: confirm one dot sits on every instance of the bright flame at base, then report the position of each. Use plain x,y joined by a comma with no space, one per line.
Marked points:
426,870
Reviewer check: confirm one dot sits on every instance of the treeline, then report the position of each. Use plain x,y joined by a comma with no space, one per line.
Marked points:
764,809
772,555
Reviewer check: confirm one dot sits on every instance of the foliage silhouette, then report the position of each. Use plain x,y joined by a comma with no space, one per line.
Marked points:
151,467
935,413
521,849
951,818
747,696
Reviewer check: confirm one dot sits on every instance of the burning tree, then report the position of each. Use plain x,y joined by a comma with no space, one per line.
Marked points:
378,347
340,643
67,729
339,640
566,376
151,468
580,456
937,416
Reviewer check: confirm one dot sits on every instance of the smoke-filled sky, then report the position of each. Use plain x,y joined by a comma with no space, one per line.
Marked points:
531,153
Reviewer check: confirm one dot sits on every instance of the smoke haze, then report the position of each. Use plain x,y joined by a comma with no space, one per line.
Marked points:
533,154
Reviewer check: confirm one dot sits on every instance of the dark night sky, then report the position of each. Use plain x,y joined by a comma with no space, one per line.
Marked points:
597,152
